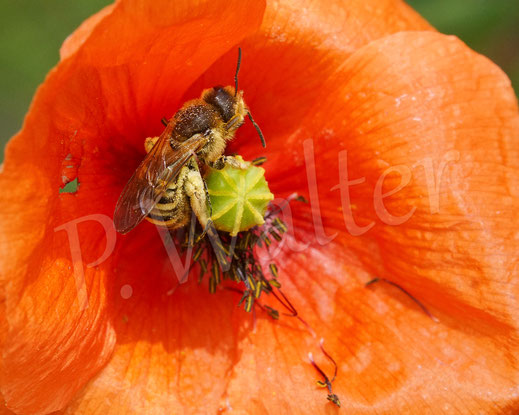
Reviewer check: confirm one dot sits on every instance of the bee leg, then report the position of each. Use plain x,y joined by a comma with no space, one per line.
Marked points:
236,162
209,205
210,212
219,164
195,189
193,165
149,143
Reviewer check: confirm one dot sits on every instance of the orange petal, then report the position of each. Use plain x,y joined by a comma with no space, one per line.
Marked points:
3,408
411,100
414,103
53,345
175,344
99,99
75,40
392,358
3,335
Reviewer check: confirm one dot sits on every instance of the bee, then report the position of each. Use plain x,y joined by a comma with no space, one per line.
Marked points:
168,185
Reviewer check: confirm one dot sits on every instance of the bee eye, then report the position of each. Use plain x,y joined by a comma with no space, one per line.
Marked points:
222,100
193,120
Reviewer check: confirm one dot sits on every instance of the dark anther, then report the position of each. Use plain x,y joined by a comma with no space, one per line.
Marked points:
259,161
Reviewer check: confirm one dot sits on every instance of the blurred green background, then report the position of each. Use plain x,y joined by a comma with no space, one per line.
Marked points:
33,30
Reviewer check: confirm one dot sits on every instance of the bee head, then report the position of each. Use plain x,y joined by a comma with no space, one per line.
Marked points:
223,99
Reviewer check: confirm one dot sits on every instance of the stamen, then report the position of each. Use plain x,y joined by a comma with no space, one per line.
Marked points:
249,303
198,252
234,258
273,270
301,199
321,344
215,272
275,235
212,285
259,161
203,269
416,301
272,312
280,225
257,290
275,283
332,397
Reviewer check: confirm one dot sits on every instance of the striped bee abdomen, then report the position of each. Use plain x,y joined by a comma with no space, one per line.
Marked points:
173,209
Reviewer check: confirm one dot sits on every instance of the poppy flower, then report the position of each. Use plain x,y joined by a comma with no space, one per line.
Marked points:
404,141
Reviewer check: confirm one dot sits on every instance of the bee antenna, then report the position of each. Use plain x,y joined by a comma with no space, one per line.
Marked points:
236,74
256,126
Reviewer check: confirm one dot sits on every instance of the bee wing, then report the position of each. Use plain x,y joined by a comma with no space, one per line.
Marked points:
149,182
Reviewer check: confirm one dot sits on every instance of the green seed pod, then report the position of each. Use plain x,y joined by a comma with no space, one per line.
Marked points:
239,197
